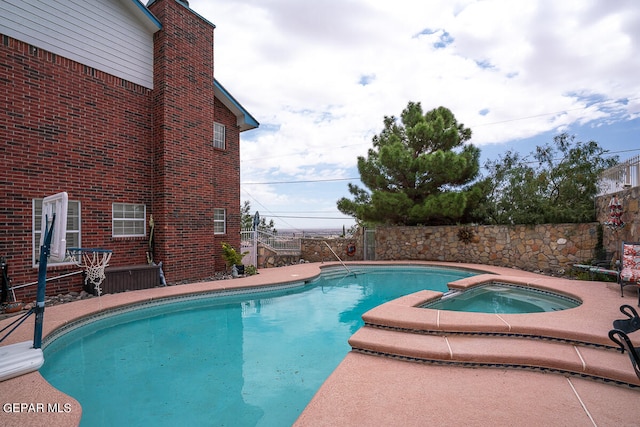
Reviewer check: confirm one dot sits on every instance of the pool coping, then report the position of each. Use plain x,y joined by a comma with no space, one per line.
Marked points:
588,323
406,313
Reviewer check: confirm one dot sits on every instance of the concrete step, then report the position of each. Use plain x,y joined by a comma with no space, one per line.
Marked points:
595,362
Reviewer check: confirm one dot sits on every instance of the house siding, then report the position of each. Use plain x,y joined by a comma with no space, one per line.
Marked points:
66,126
89,32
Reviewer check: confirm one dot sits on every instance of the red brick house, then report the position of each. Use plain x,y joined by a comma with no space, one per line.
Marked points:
117,104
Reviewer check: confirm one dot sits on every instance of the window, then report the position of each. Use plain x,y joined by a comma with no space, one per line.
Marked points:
129,220
219,221
73,228
219,136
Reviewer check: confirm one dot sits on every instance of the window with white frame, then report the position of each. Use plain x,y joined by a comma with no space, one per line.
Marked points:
219,221
219,136
129,220
73,228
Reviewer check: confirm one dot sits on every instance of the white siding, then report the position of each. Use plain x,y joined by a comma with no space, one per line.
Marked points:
108,35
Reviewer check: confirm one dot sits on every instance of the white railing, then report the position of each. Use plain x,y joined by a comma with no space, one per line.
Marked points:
280,243
622,176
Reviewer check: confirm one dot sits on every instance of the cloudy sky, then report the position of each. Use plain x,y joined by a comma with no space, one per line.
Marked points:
320,75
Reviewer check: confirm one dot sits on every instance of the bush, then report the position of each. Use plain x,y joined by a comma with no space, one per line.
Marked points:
231,256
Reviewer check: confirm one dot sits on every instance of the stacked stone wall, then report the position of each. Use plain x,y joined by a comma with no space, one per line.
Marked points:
316,250
313,250
268,258
548,248
551,248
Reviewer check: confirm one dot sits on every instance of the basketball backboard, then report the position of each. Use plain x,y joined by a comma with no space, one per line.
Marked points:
55,204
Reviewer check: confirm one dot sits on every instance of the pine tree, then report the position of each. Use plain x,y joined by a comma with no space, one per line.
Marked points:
419,171
246,218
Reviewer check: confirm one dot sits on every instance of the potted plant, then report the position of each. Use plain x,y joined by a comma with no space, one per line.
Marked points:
233,258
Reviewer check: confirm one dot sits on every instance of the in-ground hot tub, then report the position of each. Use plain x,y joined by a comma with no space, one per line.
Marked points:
496,297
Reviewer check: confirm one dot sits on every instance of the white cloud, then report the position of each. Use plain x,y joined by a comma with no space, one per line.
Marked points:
320,76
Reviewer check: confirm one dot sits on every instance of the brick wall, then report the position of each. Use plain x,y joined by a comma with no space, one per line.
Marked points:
226,182
68,127
191,178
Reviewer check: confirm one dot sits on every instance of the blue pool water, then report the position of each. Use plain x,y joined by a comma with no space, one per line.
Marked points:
237,360
505,299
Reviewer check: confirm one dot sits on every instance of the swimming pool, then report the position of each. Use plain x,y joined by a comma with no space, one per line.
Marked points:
236,359
503,298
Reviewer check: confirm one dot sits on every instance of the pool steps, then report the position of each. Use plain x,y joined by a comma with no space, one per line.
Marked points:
569,342
593,362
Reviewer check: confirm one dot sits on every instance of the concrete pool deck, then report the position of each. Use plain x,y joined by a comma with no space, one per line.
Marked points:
411,366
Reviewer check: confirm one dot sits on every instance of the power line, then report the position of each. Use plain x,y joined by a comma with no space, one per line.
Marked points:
314,217
300,212
272,215
299,182
624,151
335,147
611,101
307,181
254,199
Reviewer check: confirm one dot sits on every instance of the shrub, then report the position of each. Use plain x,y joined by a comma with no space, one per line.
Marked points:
231,256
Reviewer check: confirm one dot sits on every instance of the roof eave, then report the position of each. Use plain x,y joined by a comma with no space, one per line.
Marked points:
145,15
244,120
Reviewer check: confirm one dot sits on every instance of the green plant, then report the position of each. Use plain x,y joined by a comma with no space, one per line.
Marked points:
557,183
250,270
465,234
420,170
231,256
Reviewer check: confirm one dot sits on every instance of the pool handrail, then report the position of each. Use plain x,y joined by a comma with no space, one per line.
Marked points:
336,255
631,323
622,339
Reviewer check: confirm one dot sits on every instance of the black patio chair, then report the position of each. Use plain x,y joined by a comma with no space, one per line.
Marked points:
631,323
622,339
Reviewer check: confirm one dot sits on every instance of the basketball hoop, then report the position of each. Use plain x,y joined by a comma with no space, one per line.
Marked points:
93,261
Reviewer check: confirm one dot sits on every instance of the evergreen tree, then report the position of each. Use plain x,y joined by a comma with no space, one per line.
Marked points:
419,171
246,220
558,186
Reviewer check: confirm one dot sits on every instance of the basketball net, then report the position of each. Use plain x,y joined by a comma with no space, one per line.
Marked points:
93,261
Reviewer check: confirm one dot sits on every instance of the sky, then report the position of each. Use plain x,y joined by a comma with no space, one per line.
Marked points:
320,76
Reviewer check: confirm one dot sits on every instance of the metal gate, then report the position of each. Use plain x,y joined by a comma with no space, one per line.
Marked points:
369,245
248,244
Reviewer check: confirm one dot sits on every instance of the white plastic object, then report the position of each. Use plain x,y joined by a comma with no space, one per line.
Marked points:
58,204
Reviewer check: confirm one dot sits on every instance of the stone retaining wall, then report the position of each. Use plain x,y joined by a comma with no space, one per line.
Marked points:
551,248
548,248
268,258
315,250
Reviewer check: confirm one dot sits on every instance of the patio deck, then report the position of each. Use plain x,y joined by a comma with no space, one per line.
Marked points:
411,366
